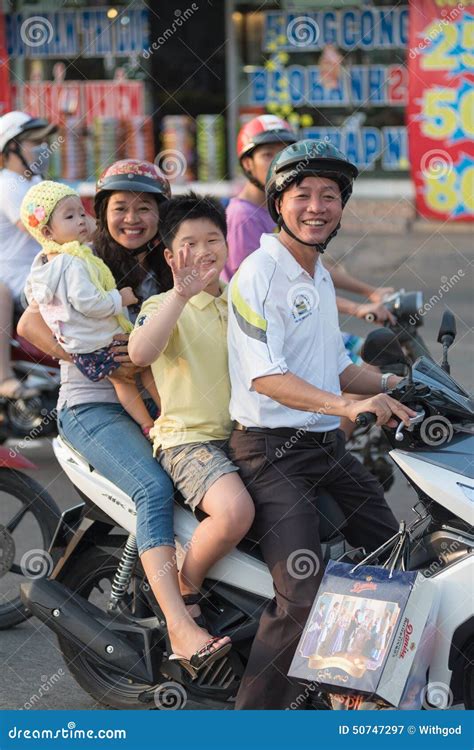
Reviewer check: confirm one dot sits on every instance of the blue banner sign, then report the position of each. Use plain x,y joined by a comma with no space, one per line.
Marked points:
362,28
70,33
363,146
367,85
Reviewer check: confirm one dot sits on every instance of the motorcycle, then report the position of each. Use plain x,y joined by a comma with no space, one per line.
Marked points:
35,416
112,633
371,446
29,518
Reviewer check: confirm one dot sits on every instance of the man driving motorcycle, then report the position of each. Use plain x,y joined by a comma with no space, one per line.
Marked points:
288,367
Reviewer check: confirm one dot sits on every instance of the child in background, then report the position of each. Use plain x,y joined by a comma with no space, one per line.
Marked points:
183,335
76,292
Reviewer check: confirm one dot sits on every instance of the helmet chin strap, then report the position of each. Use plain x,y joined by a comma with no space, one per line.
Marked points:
16,149
142,249
319,246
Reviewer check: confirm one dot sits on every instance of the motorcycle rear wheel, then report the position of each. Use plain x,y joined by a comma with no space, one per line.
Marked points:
26,506
91,577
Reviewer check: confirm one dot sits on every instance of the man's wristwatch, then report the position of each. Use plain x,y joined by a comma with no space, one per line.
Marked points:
384,381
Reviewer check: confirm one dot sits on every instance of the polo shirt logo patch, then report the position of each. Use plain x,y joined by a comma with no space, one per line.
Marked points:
302,299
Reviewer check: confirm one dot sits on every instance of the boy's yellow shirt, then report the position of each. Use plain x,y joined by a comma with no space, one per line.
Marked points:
192,374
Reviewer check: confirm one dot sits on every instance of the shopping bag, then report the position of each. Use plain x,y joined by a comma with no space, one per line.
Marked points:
364,630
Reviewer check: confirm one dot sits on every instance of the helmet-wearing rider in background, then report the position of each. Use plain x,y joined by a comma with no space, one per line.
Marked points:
25,155
247,217
258,142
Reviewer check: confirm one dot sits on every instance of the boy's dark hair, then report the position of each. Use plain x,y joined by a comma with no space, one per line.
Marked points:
189,206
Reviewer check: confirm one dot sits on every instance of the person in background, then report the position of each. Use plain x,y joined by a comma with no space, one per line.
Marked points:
25,155
247,216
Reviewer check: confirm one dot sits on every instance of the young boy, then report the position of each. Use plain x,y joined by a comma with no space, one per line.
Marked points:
182,334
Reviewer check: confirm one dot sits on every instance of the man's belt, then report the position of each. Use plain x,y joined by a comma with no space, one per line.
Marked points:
288,432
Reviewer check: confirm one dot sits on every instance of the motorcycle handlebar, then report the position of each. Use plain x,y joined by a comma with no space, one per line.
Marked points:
365,418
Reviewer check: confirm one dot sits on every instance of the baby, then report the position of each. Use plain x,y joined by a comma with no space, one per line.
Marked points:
76,292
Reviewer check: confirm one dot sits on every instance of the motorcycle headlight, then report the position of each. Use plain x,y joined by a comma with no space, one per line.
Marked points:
406,306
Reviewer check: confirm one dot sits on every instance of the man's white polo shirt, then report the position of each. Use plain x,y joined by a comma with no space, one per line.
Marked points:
280,320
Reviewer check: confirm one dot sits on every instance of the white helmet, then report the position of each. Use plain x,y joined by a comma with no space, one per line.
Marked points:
14,124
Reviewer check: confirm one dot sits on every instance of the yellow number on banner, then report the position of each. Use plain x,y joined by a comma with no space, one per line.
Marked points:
434,101
441,194
466,113
468,43
467,188
439,58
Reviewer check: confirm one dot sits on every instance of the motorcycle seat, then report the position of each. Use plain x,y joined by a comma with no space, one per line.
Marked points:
331,522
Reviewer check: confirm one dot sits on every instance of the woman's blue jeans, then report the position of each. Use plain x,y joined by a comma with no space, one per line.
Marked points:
114,445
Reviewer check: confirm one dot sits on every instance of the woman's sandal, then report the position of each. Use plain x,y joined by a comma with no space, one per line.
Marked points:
189,600
204,657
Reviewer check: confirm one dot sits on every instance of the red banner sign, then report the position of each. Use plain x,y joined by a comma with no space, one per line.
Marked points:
87,100
5,94
441,108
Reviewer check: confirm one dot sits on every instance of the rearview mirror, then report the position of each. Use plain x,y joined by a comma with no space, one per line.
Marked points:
447,328
381,348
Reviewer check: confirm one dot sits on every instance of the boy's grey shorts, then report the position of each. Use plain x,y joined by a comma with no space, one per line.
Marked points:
195,467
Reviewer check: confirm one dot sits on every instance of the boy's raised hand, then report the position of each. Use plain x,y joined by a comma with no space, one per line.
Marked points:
188,276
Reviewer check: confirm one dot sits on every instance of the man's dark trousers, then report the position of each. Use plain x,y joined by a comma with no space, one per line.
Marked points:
283,474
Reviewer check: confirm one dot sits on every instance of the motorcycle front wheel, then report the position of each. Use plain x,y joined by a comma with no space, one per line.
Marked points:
28,520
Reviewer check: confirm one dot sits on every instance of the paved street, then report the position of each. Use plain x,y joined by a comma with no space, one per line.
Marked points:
421,260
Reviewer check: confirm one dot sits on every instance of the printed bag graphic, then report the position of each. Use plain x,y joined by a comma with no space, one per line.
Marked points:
364,630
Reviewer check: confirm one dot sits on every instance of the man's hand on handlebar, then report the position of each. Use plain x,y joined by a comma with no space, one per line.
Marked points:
375,312
379,294
384,407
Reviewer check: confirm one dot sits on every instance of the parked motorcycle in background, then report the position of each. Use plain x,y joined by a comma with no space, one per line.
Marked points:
33,417
28,520
371,447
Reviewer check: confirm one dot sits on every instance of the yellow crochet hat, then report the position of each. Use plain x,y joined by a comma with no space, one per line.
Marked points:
39,203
